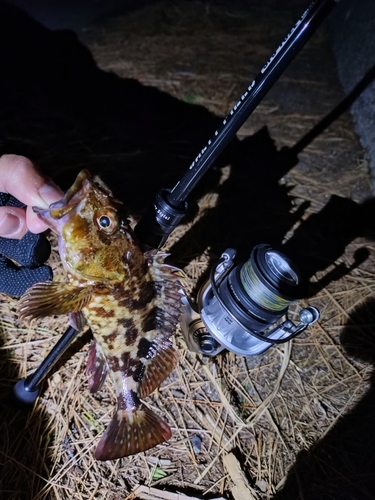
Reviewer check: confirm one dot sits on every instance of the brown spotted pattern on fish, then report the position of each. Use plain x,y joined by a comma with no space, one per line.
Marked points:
131,301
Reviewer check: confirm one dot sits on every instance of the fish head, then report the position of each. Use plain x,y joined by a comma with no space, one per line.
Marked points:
94,234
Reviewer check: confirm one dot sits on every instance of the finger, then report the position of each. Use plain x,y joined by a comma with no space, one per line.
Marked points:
12,222
33,222
20,178
15,222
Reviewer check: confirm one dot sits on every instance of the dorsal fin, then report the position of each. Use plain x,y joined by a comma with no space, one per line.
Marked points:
168,290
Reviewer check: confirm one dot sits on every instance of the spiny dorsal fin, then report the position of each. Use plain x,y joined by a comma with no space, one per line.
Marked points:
161,269
168,290
50,298
131,432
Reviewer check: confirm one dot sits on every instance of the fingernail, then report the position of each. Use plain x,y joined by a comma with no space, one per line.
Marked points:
9,225
50,193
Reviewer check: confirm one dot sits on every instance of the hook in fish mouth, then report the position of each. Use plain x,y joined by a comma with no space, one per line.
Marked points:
70,199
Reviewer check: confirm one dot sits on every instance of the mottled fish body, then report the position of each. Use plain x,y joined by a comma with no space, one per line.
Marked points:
131,301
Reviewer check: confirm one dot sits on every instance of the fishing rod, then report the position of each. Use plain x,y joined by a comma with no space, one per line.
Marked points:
267,279
170,205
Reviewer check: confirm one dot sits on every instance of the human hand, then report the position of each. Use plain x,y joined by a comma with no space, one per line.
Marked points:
21,187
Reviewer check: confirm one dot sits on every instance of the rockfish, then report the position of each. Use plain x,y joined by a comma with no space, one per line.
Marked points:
130,300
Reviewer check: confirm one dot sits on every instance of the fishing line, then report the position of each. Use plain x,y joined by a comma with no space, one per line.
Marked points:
262,294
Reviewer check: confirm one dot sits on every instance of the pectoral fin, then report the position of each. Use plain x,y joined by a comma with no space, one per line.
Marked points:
96,367
50,298
77,320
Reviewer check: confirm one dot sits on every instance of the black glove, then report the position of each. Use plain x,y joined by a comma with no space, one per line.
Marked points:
29,253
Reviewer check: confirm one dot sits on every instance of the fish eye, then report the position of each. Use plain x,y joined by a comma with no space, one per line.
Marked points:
104,221
107,220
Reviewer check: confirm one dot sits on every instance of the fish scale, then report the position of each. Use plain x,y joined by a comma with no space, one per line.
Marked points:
130,300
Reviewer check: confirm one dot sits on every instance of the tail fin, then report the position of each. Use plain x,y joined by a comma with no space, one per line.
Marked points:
131,432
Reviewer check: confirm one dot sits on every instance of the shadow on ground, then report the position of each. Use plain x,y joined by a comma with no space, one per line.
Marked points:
23,442
58,108
341,466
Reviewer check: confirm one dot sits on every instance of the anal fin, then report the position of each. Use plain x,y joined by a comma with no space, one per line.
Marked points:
131,432
157,368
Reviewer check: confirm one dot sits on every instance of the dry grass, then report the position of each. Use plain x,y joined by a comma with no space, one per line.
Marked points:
267,408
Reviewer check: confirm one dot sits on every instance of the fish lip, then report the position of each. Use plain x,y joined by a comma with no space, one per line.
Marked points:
70,200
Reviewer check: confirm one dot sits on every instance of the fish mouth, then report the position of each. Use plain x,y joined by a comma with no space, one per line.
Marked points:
69,201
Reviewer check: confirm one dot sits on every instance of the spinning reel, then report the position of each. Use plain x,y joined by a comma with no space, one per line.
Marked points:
242,306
